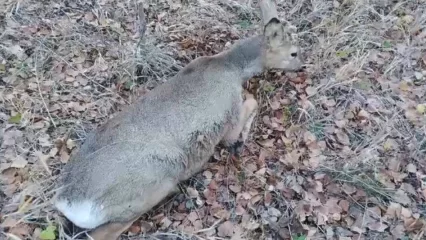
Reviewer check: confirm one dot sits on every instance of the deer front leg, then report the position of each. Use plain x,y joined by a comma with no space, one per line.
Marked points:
238,135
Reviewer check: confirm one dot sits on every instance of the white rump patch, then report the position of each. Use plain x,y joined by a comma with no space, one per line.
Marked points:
83,214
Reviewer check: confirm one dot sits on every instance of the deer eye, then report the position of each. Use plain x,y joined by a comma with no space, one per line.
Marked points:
294,54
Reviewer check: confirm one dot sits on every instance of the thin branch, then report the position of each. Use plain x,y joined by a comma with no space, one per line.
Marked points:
41,95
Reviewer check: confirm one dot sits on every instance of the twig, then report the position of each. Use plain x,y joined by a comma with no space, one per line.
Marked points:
141,20
41,95
25,205
43,161
210,228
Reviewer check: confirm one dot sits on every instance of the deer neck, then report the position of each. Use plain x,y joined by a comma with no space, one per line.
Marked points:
247,57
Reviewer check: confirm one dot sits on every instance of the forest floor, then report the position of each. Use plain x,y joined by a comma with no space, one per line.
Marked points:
338,152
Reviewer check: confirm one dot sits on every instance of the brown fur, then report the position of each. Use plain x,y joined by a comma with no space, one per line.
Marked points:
137,158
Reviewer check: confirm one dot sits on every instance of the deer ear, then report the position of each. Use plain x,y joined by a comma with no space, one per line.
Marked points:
274,33
273,20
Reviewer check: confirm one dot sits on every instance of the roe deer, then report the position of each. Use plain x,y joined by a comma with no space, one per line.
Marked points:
136,159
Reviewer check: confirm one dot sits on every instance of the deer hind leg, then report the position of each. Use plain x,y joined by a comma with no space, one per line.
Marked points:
123,214
110,231
238,135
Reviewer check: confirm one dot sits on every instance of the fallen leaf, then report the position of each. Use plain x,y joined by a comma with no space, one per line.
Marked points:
377,226
412,224
348,189
344,204
398,232
165,223
192,192
235,188
408,188
208,174
274,212
315,161
226,229
319,186
373,105
362,115
238,232
248,223
44,140
69,79
309,138
135,229
100,64
267,143
36,233
198,225
239,210
310,91
21,230
267,199
275,105
89,16
386,44
17,51
329,103
411,168
342,54
343,138
358,225
255,199
12,137
192,216
64,156
393,211
421,108
9,222
401,197
15,119
341,123
291,158
19,162
76,106
343,232
70,144
407,19
301,237
403,86
48,233
390,144
405,212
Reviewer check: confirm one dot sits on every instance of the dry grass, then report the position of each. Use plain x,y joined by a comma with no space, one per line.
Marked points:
65,68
